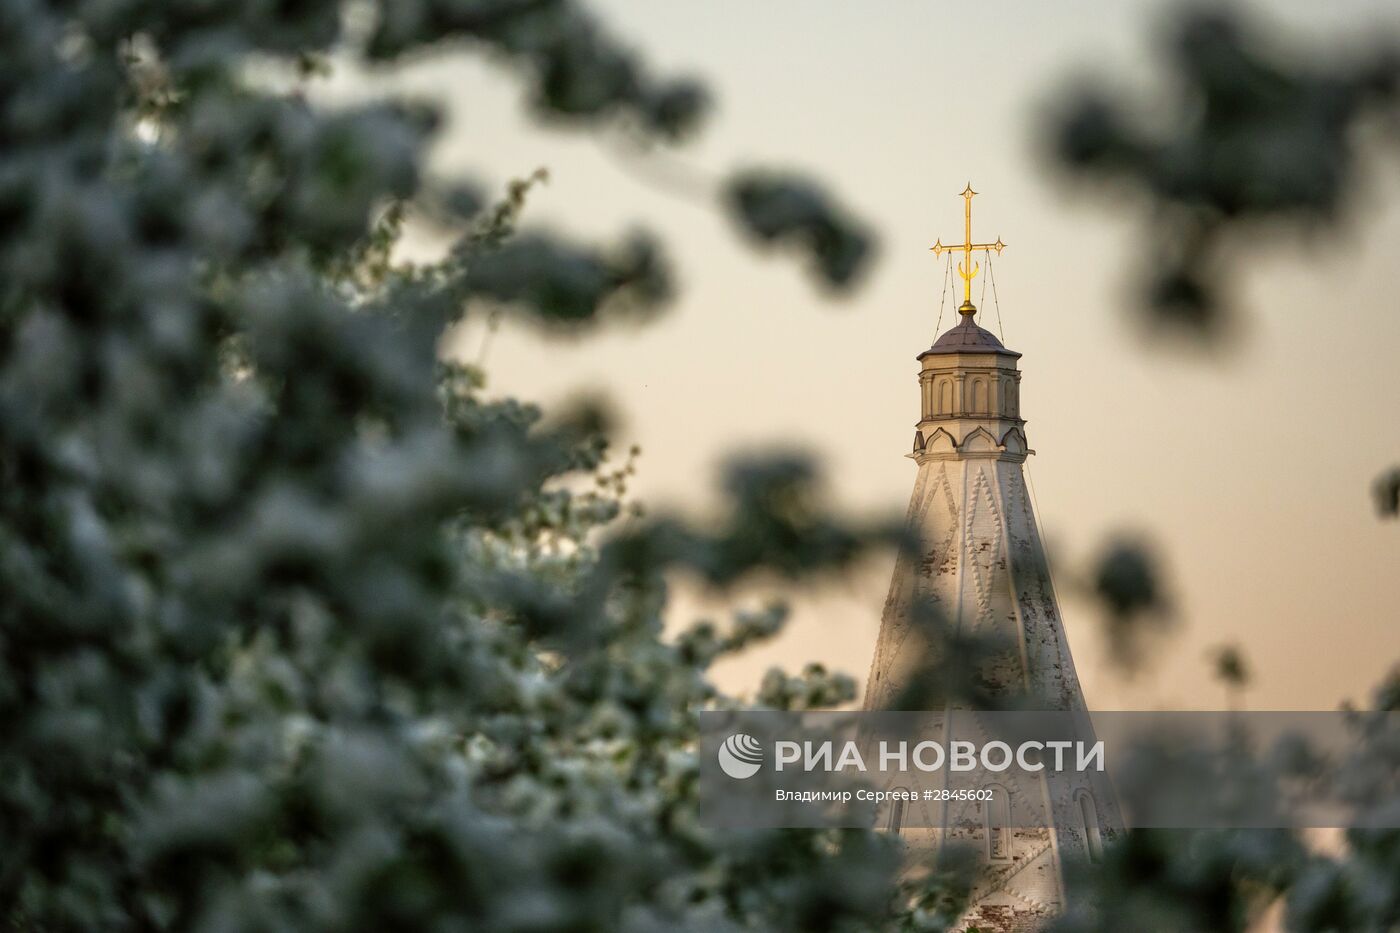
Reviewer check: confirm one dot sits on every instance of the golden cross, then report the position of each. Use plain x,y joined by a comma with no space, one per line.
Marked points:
967,246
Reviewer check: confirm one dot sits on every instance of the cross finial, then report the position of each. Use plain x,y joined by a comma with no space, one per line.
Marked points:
967,268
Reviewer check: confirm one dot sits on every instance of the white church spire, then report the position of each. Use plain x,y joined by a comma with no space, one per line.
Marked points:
982,568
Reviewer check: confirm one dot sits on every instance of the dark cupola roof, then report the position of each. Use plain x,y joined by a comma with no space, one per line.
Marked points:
967,337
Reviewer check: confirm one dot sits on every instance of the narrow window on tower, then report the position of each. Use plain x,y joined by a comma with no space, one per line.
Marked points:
998,818
1089,816
979,396
945,397
897,814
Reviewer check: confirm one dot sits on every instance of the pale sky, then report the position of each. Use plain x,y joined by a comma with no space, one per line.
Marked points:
1251,471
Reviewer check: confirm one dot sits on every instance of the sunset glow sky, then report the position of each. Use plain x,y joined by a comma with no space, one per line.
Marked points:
1250,470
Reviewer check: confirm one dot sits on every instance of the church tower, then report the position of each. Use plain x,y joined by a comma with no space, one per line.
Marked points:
982,570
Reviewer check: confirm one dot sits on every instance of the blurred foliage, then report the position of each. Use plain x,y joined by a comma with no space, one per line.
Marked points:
1181,881
1126,582
1255,134
782,211
1231,668
1388,493
299,630
1254,137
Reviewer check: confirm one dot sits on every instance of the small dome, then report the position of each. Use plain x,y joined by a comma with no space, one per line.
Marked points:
967,337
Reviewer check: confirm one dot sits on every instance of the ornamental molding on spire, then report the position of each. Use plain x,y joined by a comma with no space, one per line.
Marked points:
976,441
